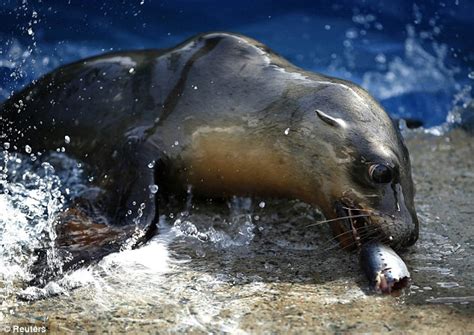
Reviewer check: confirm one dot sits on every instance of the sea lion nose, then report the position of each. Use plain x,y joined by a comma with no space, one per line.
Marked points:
405,240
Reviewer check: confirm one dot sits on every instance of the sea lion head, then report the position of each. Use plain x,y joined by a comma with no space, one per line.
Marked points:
366,178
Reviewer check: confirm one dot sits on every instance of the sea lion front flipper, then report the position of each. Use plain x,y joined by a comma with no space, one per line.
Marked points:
129,191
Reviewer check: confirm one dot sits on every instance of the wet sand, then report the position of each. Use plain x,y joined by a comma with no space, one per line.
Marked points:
281,276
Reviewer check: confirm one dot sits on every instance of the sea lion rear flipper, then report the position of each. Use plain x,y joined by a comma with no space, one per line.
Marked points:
123,217
81,238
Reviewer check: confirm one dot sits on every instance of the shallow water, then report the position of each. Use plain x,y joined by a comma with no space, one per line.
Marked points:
251,264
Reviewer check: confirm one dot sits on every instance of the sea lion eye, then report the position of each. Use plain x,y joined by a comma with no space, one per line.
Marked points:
380,173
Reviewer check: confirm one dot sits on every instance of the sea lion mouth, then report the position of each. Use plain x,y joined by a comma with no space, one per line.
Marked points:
356,221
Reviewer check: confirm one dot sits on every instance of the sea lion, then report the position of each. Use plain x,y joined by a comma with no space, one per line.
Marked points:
223,114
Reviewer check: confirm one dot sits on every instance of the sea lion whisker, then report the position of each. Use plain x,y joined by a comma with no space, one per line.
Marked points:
358,209
355,233
374,212
336,237
368,231
358,245
339,218
337,246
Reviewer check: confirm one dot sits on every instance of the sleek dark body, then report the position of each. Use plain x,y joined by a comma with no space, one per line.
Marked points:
225,115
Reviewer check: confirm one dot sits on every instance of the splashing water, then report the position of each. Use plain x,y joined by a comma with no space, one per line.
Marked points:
418,71
34,190
226,231
30,199
420,85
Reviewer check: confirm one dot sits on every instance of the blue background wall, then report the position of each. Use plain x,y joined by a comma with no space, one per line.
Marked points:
416,58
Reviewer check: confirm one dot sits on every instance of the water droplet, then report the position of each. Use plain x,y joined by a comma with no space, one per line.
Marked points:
327,27
261,204
287,131
151,165
30,31
176,142
28,149
471,75
132,70
153,188
351,33
6,145
380,58
67,139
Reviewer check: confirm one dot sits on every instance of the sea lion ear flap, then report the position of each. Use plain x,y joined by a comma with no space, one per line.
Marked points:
332,121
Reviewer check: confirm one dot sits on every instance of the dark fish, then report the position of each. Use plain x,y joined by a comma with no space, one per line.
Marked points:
385,270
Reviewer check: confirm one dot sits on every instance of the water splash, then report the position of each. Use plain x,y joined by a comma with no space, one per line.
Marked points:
33,191
30,198
235,229
417,71
418,81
